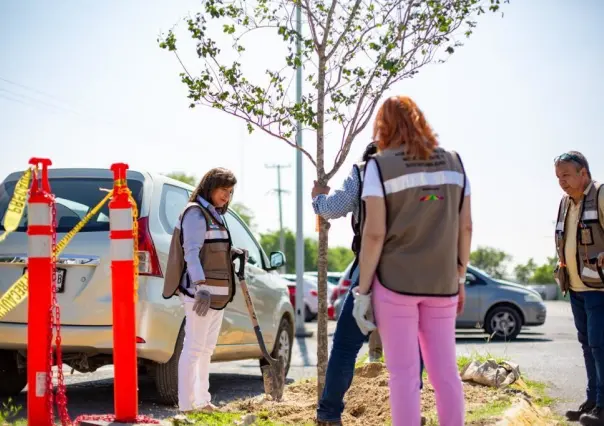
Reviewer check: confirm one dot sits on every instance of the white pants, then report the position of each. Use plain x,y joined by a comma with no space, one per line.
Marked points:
201,335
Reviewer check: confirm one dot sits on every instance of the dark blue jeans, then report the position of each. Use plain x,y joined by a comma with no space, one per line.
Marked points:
347,342
588,312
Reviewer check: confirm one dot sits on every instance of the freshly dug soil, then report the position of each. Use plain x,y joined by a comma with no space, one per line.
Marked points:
367,401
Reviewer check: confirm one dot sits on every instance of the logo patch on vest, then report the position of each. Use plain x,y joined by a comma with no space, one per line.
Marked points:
432,197
213,225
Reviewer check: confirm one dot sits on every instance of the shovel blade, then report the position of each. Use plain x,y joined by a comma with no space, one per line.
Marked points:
273,376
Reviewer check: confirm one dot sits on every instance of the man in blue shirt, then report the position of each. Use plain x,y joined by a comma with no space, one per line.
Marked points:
348,338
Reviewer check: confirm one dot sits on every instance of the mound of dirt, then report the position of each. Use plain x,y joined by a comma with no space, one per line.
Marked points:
367,401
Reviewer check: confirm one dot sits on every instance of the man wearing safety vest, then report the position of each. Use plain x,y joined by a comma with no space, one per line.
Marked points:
580,249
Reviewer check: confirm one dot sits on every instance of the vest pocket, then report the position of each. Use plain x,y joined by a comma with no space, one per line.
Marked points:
220,288
218,247
592,276
561,277
216,275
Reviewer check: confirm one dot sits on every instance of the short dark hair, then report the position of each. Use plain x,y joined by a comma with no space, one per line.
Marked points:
216,178
574,157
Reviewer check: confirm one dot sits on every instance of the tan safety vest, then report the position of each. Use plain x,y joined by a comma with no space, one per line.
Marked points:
590,241
215,256
423,199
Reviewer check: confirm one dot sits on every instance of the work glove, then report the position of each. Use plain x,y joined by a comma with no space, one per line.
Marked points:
362,303
235,251
202,302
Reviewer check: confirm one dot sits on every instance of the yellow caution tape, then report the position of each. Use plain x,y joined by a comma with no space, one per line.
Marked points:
16,206
18,291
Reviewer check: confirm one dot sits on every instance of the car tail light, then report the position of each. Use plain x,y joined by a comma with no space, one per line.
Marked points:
334,294
292,294
148,261
331,312
140,340
314,293
343,287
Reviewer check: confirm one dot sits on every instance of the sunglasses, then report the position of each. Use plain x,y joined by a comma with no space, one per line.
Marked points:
570,157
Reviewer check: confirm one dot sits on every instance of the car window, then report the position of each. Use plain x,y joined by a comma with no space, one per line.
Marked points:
74,198
173,201
242,239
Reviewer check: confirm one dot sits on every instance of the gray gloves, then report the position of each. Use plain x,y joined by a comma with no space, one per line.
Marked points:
202,302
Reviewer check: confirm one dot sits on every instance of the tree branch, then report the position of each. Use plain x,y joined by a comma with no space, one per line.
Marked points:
312,22
355,7
276,135
328,24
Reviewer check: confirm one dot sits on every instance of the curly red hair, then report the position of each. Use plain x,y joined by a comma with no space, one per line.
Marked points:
399,122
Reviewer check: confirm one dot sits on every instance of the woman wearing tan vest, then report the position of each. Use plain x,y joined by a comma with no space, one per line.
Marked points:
200,272
414,252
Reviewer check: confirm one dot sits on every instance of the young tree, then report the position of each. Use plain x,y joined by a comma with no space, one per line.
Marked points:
354,52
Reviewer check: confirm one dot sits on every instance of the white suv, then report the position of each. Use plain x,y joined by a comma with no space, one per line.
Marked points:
85,294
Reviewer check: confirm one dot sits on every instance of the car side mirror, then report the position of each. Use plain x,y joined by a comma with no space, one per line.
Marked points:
277,259
470,279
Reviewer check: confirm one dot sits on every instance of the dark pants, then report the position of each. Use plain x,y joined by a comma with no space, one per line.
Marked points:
347,342
588,312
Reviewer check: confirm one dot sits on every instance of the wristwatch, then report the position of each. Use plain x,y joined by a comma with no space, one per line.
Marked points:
461,280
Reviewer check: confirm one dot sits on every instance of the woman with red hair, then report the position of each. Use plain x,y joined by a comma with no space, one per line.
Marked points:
414,252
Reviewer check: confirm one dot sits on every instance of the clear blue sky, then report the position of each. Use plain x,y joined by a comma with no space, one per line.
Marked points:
524,89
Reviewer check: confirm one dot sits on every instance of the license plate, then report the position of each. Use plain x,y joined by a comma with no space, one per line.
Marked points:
60,279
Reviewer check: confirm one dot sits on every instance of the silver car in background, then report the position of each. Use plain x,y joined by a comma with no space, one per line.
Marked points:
85,293
500,307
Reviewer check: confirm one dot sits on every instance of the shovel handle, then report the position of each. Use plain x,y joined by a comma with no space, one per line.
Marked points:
250,306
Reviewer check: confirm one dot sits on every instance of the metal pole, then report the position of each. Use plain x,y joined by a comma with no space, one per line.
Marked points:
300,329
280,193
281,233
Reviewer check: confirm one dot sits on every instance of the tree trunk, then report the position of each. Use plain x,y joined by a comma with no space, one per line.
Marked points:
322,344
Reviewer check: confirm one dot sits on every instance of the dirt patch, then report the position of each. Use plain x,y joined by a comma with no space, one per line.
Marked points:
367,401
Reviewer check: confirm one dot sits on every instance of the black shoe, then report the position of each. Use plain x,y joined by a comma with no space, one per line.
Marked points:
594,418
575,415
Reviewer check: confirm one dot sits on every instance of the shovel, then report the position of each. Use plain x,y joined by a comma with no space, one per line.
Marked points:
273,374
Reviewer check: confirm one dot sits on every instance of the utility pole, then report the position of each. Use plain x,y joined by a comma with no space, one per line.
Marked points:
279,192
300,326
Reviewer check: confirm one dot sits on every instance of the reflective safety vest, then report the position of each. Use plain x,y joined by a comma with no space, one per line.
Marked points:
423,199
590,241
215,257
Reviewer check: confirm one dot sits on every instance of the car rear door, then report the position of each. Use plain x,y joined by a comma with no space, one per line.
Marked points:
84,265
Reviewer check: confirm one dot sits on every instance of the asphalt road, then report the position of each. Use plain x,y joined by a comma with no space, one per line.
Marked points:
549,353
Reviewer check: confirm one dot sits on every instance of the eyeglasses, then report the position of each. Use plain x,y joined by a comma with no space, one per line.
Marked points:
570,157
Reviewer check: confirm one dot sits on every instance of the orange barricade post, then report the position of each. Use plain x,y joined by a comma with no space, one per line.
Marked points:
123,290
39,269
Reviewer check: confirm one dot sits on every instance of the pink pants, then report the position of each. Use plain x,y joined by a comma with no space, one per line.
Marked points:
403,319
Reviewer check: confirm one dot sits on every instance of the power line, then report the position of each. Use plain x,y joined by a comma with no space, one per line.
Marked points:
23,86
39,101
67,108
